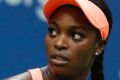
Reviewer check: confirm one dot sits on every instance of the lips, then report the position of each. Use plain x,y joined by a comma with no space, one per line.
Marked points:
59,59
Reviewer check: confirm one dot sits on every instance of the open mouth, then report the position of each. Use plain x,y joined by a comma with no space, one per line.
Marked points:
59,60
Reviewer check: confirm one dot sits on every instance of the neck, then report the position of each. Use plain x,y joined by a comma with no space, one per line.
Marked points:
52,76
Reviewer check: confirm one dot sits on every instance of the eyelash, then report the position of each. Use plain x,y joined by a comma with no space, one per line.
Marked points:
52,32
77,35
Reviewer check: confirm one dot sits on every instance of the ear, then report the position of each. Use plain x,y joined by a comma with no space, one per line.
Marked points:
100,46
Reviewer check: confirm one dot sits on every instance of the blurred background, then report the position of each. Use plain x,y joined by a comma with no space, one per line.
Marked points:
22,38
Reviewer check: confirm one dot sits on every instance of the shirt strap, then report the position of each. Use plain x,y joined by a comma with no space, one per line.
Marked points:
36,74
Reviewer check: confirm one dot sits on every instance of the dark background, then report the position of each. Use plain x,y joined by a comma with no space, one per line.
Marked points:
22,35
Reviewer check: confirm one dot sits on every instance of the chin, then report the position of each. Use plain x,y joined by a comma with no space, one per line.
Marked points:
60,70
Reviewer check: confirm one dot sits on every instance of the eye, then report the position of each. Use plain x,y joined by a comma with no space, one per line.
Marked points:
52,32
76,35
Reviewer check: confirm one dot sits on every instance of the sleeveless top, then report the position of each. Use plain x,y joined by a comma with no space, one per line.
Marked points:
36,74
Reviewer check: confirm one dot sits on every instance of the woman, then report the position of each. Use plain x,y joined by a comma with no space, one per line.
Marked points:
78,31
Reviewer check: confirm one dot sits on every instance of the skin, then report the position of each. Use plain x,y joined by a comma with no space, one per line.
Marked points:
70,35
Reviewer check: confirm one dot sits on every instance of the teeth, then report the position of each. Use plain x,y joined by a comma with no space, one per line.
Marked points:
59,58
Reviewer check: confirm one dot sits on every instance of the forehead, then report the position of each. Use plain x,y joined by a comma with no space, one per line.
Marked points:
68,9
70,15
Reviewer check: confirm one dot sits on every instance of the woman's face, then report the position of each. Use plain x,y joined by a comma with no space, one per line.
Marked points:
71,42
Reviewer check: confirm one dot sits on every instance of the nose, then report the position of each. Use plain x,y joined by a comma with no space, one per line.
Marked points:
61,43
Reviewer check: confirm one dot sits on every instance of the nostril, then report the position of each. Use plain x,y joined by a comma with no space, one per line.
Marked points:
60,47
61,43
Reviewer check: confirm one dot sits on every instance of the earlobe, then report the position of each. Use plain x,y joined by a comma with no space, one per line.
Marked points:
96,53
100,46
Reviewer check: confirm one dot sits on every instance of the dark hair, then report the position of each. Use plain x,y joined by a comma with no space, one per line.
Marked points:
97,67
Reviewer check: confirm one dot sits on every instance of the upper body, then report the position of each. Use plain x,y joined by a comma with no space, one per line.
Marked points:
75,40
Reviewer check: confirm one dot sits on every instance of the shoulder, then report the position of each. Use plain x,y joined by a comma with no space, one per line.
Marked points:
22,76
25,75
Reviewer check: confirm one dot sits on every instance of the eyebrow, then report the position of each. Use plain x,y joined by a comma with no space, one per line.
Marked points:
80,27
53,22
86,28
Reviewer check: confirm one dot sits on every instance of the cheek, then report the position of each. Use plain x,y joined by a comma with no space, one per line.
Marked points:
83,54
48,43
84,48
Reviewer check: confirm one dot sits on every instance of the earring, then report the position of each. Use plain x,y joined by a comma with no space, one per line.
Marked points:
96,53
